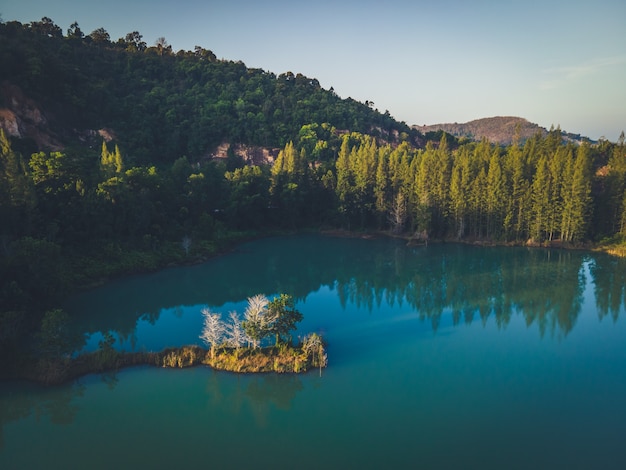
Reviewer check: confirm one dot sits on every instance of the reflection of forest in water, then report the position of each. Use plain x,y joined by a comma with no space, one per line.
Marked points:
55,404
255,395
545,286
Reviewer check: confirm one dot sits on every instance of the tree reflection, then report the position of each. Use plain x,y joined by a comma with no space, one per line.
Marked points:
609,274
271,390
471,283
19,401
544,286
258,394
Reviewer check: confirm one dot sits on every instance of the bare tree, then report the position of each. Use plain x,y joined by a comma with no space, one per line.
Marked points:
258,319
162,46
313,347
235,335
213,331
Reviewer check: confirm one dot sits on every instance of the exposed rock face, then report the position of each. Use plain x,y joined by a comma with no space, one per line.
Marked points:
107,134
251,155
22,118
8,122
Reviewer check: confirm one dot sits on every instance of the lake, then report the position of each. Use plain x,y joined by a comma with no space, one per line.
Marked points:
440,356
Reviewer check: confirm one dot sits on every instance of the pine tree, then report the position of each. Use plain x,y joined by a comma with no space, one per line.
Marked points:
577,207
381,189
478,203
558,162
517,218
459,189
495,196
540,194
117,160
345,179
111,163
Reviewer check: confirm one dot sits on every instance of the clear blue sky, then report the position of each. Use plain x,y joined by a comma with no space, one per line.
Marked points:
553,62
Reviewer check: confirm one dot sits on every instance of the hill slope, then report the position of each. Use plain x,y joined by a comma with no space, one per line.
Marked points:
159,105
501,129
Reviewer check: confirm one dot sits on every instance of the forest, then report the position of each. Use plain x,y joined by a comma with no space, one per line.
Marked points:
93,208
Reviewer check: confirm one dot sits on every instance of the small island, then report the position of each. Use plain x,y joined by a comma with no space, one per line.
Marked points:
260,342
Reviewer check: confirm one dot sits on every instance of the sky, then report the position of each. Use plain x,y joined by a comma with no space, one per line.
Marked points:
553,62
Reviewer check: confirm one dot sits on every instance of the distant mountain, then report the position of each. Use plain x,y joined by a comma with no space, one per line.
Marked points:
499,129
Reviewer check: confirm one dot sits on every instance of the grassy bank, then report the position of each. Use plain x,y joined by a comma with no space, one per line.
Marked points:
278,359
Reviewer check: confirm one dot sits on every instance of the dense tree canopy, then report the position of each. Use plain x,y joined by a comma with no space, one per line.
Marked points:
165,105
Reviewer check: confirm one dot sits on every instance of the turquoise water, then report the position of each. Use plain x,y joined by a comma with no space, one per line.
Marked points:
446,356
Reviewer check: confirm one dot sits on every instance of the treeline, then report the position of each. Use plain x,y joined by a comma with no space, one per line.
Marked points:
59,209
542,190
164,105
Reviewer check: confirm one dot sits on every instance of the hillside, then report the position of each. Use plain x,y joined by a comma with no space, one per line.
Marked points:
501,130
59,91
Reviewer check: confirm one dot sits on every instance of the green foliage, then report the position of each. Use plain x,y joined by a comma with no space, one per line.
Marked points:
264,318
164,105
282,308
111,162
55,338
257,320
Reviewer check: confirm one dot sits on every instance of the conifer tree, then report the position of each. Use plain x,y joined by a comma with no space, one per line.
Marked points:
111,163
540,200
381,189
577,206
495,196
516,222
458,205
344,179
478,205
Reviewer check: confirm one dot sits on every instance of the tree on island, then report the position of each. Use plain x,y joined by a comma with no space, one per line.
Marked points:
262,318
235,335
213,330
285,315
257,319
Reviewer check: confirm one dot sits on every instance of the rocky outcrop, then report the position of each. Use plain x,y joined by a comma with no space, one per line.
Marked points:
252,155
22,118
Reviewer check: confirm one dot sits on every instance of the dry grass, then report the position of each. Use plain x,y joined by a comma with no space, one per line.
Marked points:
283,359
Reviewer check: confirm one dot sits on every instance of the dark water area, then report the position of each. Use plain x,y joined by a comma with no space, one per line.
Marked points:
440,356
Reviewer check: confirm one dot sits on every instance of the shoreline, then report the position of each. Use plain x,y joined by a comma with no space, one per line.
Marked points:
60,370
416,241
229,245
281,359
